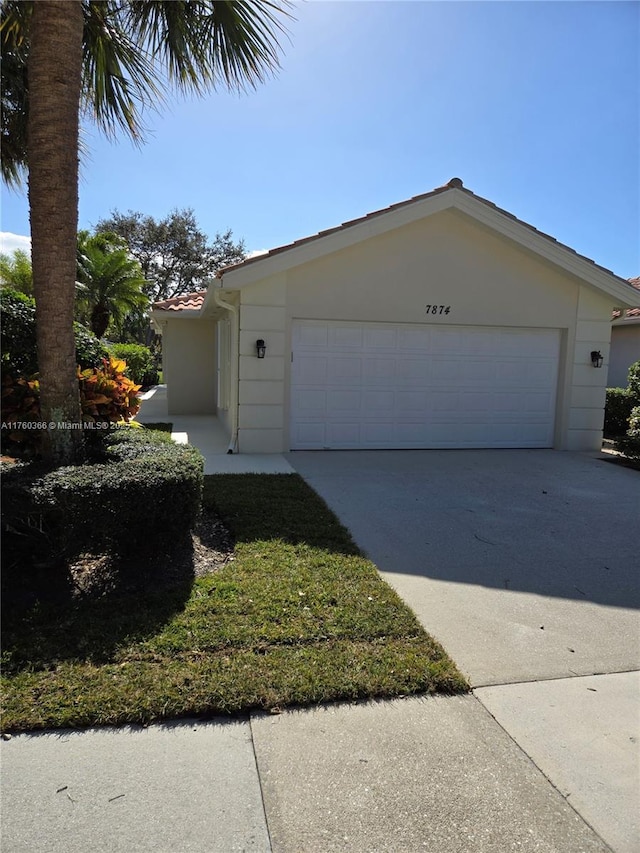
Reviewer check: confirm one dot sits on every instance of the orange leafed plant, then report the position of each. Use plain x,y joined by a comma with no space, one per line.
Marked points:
106,394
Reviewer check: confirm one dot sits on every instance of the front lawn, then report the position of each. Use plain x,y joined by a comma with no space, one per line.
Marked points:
295,616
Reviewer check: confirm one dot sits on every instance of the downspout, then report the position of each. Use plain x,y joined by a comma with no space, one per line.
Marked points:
235,358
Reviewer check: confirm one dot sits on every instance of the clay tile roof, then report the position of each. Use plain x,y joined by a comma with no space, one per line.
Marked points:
453,184
630,312
184,302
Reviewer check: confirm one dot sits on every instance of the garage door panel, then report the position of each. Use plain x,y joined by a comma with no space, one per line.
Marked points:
378,403
381,339
310,336
344,369
379,369
343,435
376,385
347,402
414,340
346,337
313,369
310,402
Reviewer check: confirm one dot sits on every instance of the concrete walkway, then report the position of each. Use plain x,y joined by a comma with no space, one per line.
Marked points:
546,763
207,434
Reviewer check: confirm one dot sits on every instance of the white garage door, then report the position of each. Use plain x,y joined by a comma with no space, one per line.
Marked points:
379,385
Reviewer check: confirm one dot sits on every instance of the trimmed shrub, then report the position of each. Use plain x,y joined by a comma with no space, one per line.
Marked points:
629,444
144,494
617,411
140,362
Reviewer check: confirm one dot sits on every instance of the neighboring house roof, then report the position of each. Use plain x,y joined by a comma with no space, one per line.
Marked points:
184,302
630,313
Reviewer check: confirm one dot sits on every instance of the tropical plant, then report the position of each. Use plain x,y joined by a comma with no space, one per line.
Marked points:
111,282
174,253
140,362
18,336
111,60
16,272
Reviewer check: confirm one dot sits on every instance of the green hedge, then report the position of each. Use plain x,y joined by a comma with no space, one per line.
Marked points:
617,411
144,494
140,362
629,444
18,336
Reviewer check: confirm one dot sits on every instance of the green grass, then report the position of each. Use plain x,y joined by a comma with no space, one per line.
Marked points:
297,617
161,426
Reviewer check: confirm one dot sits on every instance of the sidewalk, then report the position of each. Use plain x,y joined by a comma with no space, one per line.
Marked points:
540,766
421,774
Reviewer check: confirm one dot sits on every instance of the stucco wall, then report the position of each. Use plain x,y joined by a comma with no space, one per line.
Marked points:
446,259
625,351
189,365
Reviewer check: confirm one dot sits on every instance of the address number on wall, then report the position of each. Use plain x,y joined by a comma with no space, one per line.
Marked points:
438,309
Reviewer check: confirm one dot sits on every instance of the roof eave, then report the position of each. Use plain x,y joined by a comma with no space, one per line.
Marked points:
458,198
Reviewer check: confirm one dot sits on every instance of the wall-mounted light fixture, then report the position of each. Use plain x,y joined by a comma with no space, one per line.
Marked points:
261,348
596,358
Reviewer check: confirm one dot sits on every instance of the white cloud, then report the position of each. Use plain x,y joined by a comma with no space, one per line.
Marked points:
256,252
10,242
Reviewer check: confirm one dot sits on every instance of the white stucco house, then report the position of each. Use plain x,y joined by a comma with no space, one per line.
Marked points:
625,343
439,322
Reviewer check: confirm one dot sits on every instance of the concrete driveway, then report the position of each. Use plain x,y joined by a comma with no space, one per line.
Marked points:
525,565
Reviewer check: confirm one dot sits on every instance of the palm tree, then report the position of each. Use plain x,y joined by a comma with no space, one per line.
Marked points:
110,282
16,272
111,59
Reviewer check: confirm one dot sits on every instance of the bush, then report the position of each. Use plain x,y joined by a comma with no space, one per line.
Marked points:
140,362
106,396
629,444
617,411
18,336
634,382
145,493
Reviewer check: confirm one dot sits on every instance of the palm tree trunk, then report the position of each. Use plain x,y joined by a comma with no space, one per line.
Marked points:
54,73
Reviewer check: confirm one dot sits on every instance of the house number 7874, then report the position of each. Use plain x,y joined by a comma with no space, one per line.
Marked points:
438,309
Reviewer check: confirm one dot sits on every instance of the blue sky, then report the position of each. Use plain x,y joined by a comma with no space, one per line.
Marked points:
535,105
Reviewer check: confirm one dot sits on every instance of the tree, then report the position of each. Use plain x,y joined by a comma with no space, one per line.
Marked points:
111,60
111,282
174,253
16,272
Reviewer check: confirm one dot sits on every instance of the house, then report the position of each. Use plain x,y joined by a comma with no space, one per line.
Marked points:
625,343
439,322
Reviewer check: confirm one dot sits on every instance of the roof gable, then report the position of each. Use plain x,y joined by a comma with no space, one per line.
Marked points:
452,195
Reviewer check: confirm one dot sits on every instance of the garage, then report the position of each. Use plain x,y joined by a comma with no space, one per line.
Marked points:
441,321
385,386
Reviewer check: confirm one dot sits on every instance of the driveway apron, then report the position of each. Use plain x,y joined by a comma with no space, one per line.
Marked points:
524,565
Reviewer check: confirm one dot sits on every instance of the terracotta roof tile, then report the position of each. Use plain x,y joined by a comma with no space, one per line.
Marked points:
453,184
184,302
630,312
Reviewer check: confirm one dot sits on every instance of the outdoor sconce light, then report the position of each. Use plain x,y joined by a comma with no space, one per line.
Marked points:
596,358
261,348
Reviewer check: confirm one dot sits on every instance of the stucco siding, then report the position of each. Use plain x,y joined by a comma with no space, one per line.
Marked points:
473,275
189,365
625,351
445,260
